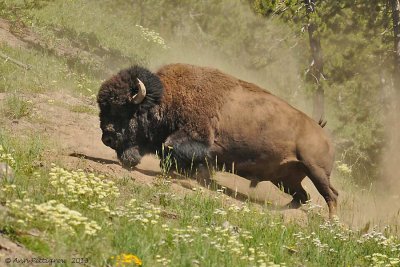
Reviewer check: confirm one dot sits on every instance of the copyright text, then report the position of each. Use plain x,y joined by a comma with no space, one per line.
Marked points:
43,261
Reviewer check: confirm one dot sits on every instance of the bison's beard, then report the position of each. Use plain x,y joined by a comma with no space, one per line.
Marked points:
129,157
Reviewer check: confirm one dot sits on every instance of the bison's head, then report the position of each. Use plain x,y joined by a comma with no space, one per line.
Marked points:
124,101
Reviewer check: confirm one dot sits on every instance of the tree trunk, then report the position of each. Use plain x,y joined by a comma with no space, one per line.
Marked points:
315,72
396,33
391,156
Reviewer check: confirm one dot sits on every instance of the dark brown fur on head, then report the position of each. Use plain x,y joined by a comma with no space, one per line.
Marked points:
120,119
116,91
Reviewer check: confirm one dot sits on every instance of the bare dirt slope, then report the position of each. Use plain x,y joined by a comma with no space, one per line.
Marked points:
12,250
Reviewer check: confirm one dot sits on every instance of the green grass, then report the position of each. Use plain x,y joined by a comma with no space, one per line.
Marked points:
15,107
110,30
48,73
83,109
26,149
67,25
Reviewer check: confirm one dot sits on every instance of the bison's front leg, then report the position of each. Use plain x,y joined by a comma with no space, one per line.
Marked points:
294,188
189,156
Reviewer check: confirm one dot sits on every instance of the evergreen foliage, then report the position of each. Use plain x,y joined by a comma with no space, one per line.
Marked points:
356,39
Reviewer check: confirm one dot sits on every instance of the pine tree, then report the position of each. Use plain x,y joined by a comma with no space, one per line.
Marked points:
396,32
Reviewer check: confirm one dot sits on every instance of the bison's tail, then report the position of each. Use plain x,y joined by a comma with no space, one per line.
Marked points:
322,122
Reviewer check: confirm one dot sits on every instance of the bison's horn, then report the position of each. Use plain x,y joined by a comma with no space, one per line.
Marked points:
138,98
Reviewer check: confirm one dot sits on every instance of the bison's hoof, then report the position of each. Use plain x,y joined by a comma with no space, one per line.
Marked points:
130,158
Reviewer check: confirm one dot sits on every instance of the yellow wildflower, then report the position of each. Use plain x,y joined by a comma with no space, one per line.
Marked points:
125,259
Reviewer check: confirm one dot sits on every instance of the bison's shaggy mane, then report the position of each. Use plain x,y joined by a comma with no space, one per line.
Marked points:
116,90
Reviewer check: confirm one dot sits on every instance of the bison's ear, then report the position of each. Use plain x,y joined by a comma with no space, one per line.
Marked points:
139,97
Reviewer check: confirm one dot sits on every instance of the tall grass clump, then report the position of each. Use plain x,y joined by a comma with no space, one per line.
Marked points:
15,107
26,150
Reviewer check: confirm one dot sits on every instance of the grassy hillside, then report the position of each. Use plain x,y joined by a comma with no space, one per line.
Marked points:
64,214
82,209
69,214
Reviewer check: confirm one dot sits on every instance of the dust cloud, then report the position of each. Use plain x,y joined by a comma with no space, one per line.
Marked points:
379,203
280,74
391,157
388,192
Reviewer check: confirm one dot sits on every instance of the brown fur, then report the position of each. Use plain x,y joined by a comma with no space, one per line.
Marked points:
196,107
204,113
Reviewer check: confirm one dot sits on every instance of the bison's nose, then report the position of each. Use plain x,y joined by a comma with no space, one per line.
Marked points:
108,141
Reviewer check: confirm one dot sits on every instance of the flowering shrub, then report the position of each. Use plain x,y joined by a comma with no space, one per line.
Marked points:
377,238
79,187
343,168
379,259
6,157
52,214
339,235
223,238
152,36
145,213
72,187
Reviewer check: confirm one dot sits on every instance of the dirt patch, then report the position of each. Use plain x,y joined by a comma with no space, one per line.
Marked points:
12,250
6,37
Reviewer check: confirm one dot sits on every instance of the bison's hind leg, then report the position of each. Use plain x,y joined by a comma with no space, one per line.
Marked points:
320,178
334,190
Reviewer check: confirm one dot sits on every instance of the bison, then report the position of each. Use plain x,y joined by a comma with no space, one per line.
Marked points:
203,114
